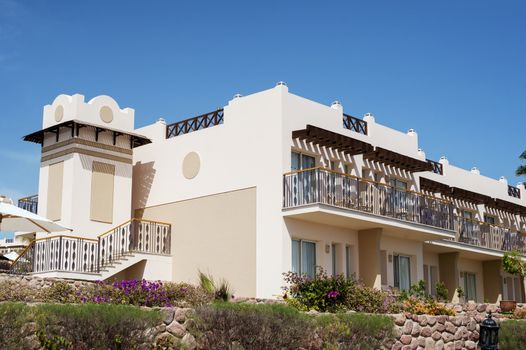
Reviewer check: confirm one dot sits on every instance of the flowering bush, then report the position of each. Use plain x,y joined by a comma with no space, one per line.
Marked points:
426,306
127,292
335,293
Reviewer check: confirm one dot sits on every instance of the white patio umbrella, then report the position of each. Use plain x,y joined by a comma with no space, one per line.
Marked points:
15,219
11,256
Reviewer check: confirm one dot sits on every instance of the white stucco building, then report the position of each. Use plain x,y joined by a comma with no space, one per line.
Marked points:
272,182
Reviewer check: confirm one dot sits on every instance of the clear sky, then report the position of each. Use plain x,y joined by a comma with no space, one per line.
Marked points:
452,70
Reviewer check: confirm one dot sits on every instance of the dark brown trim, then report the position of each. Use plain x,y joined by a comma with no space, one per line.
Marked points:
331,139
397,160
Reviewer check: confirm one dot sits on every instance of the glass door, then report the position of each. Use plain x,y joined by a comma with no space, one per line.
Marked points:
402,272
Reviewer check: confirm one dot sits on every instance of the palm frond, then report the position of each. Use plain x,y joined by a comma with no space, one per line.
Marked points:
521,170
523,155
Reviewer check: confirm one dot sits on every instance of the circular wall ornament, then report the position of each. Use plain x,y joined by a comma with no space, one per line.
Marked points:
106,114
191,165
59,113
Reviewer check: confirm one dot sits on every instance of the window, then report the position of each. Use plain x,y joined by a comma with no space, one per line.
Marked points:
304,257
54,190
489,219
347,168
334,260
470,286
301,161
102,186
348,264
398,184
431,278
402,273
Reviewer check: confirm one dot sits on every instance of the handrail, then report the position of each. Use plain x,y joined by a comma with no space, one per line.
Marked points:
65,236
132,220
369,181
88,255
114,228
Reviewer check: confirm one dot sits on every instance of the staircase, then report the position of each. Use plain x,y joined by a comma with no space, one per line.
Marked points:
96,259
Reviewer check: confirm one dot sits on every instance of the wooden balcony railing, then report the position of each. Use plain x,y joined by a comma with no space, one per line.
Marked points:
438,168
514,191
29,203
319,185
85,255
193,124
354,124
482,234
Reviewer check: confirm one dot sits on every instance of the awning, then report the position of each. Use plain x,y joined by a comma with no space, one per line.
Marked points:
332,139
398,160
136,140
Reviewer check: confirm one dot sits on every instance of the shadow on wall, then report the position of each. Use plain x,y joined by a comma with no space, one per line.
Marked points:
136,271
143,175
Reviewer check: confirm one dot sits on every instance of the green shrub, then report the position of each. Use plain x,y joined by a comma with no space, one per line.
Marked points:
221,291
130,292
13,317
512,335
335,293
355,331
96,326
442,292
246,326
87,326
12,291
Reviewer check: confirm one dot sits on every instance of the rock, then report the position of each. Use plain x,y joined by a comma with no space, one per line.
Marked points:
493,308
472,325
426,332
450,328
436,336
399,319
414,344
457,308
408,327
440,327
406,339
470,345
448,337
449,346
458,334
442,319
30,342
457,321
168,315
431,321
189,342
167,341
422,319
481,308
439,345
416,330
474,336
181,314
176,329
429,344
397,346
421,341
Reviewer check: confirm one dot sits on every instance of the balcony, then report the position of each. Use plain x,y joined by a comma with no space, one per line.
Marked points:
322,186
200,122
485,235
29,203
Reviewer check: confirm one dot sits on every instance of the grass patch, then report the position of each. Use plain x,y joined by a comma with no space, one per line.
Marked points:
278,326
88,326
512,334
355,331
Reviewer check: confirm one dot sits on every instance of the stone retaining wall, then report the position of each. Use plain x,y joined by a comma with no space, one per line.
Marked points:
415,332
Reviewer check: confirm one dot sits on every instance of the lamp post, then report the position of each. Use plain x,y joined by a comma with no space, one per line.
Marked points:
489,334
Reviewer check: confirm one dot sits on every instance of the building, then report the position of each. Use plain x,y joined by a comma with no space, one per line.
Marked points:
272,182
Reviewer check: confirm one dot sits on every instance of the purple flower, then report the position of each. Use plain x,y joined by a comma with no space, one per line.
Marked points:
333,294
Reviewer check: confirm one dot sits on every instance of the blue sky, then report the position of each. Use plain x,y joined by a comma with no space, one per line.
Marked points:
452,70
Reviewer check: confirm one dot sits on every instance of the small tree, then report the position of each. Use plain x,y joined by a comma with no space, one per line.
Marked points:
513,264
521,170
